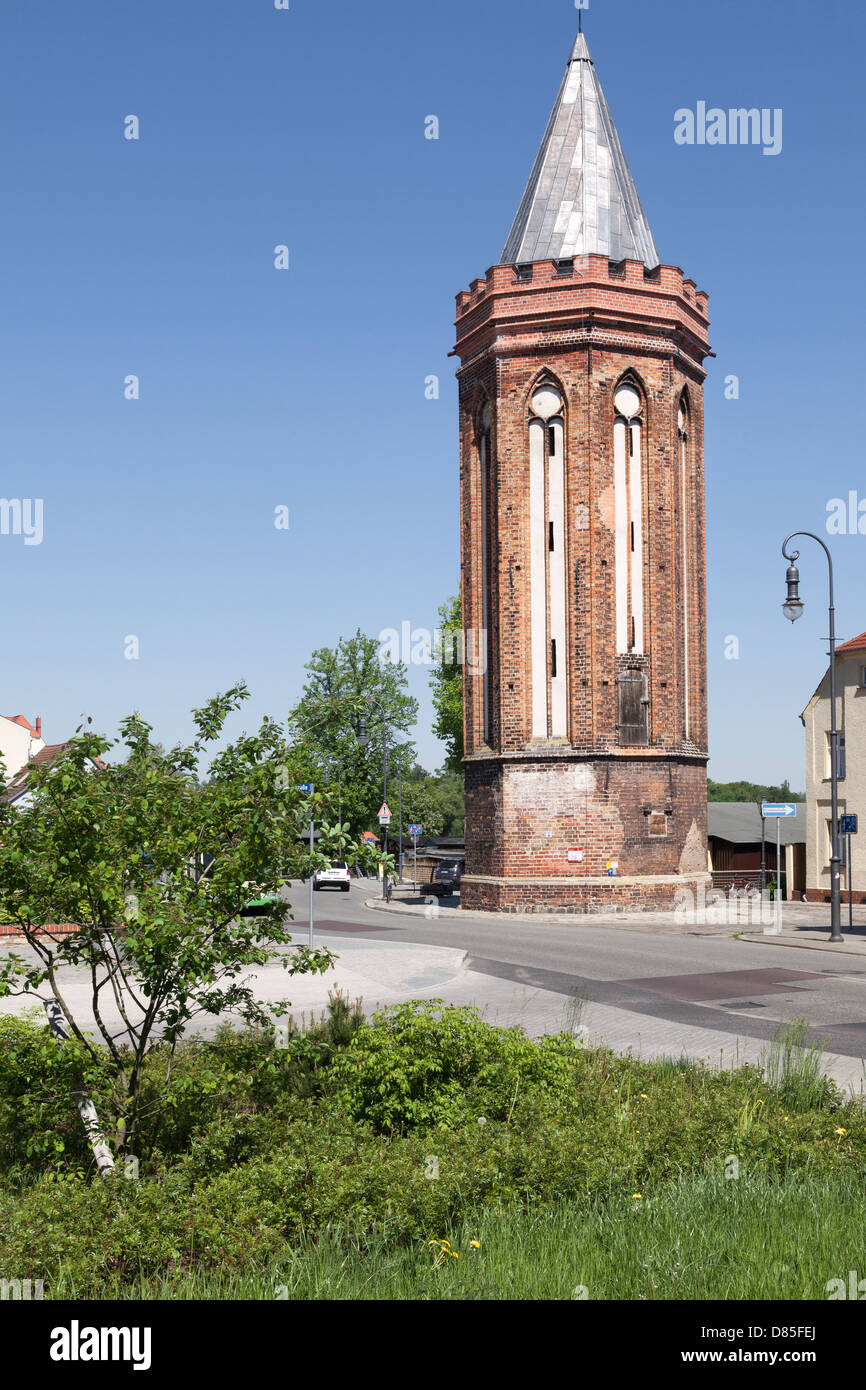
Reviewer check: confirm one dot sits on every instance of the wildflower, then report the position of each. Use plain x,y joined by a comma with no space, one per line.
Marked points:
840,1131
644,1096
475,1245
637,1196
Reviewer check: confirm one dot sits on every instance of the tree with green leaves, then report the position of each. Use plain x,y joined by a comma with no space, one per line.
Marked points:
436,803
446,682
751,791
350,697
154,864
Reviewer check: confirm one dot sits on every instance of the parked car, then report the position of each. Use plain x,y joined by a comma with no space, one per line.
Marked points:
335,877
445,878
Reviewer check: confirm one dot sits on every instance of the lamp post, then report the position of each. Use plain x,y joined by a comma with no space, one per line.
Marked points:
793,609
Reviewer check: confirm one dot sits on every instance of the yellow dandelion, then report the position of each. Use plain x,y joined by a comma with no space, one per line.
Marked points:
475,1245
637,1196
643,1096
840,1131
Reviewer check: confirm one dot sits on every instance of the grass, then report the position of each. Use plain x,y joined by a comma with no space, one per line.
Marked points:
794,1070
304,1172
705,1238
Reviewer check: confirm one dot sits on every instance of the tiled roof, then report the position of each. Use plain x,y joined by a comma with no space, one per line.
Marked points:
24,723
855,644
45,755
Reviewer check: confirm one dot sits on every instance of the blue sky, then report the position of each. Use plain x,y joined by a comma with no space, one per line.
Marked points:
305,388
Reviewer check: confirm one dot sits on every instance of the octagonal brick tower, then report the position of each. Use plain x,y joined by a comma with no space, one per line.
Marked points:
582,533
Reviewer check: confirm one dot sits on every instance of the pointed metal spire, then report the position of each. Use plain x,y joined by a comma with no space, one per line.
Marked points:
581,196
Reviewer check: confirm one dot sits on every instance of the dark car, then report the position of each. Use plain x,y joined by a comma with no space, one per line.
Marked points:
445,878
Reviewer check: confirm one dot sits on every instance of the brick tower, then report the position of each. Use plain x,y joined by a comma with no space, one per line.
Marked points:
582,534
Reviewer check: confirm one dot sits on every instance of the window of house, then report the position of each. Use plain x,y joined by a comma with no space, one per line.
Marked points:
841,757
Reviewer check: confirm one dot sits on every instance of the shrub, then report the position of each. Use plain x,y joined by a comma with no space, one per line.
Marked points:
431,1064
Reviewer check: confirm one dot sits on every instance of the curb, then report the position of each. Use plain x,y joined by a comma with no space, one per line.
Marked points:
854,949
621,921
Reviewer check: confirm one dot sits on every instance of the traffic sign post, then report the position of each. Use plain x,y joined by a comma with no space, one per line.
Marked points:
385,821
778,811
848,827
414,831
307,788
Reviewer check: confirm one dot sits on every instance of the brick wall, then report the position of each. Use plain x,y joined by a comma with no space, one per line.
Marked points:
585,332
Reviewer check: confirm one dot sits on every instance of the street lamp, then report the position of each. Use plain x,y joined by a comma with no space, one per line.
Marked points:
793,609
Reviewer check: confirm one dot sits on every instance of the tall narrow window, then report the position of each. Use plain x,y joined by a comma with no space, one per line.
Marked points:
483,644
685,558
628,545
547,564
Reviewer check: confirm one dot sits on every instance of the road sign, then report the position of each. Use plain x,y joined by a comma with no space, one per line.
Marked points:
575,856
385,810
848,825
385,820
770,809
414,830
305,787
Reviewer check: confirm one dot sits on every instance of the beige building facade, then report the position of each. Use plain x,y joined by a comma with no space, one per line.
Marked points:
851,723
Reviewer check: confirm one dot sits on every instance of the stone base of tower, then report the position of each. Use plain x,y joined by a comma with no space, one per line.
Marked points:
565,833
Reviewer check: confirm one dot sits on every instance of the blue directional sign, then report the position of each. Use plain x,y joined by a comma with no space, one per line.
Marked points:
847,825
305,787
769,809
414,830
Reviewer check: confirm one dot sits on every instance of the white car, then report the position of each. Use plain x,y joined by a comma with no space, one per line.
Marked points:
335,877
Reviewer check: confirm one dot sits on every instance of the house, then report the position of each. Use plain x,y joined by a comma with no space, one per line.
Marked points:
736,833
16,791
19,741
851,723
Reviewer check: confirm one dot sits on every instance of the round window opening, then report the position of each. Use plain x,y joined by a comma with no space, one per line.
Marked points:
546,402
627,402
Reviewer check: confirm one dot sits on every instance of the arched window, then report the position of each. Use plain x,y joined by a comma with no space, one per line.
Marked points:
683,436
547,563
628,490
483,643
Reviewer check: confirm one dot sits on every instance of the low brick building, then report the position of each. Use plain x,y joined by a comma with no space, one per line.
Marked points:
582,524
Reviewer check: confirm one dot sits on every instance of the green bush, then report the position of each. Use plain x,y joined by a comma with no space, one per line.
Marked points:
431,1064
39,1121
392,1132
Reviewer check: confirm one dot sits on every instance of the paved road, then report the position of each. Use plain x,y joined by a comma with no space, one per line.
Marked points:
641,982
657,973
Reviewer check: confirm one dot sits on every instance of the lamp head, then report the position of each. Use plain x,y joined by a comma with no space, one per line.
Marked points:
793,605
